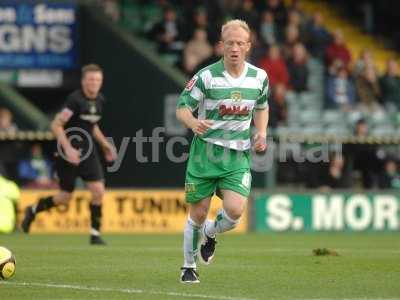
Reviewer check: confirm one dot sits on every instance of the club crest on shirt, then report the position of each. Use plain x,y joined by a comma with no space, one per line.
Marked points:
191,83
236,96
92,109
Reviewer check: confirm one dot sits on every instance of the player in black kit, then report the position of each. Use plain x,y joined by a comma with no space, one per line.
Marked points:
75,127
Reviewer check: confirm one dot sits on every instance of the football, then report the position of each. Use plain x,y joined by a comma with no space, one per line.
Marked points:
7,263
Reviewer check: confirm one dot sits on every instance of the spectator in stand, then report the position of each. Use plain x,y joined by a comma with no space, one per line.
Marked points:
363,157
168,33
257,49
268,30
216,55
296,6
277,106
390,177
365,60
334,175
369,92
275,66
228,8
199,20
298,69
294,19
196,50
277,8
249,14
318,38
390,84
35,171
340,91
291,38
6,121
337,52
111,8
8,151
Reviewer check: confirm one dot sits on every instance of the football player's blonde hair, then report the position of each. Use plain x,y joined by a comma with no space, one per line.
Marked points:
91,68
235,23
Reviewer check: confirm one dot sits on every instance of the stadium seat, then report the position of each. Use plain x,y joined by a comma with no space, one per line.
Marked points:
333,116
310,100
131,18
353,117
337,130
312,129
383,130
310,116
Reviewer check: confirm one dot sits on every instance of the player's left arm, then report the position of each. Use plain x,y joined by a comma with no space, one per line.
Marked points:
261,122
261,116
109,150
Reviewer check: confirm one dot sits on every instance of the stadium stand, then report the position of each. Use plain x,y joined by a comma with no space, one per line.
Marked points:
325,73
325,89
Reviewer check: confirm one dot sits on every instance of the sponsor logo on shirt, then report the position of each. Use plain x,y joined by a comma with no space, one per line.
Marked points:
234,110
90,118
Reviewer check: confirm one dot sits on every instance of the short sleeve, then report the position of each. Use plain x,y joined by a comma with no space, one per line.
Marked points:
262,100
193,94
69,108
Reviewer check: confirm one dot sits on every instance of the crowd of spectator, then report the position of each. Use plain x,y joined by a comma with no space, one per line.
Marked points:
25,163
284,40
7,124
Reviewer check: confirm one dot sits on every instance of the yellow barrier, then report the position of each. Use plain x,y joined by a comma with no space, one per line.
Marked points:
124,211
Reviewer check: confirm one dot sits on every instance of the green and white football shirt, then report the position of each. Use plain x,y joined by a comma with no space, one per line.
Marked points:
227,101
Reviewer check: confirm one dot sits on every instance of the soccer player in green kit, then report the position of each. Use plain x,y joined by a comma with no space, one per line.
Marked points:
227,95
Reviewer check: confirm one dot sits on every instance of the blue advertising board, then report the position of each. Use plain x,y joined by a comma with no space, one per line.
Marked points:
38,35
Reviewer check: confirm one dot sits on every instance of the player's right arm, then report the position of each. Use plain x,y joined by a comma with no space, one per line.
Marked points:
188,102
57,127
185,116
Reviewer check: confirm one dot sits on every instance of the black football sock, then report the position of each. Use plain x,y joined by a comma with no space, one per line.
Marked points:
43,204
95,219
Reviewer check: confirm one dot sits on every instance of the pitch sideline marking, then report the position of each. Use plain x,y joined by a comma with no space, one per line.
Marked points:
124,291
141,291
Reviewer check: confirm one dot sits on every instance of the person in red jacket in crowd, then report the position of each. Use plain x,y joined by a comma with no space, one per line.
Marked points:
275,66
338,52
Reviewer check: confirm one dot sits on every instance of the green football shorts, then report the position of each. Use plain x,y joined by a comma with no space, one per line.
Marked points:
212,167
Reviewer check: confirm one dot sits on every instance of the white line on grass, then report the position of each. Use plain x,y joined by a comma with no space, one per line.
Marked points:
124,291
237,249
141,291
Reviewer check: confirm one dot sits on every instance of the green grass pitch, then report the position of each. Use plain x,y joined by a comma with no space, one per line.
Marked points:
250,266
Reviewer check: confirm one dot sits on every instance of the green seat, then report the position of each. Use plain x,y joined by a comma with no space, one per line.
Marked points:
337,130
131,17
309,100
383,130
333,116
151,14
171,59
312,129
310,116
353,117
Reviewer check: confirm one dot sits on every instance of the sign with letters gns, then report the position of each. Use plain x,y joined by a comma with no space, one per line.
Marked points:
38,35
